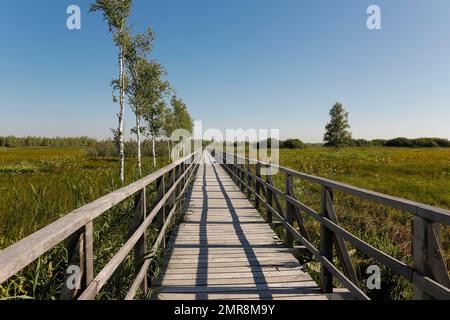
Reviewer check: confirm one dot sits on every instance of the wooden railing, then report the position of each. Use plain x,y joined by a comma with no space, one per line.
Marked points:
171,182
428,274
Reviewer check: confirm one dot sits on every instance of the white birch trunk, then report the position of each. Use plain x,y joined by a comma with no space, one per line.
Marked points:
153,151
138,136
121,118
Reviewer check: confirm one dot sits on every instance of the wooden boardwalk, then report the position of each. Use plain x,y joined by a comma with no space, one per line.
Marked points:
225,250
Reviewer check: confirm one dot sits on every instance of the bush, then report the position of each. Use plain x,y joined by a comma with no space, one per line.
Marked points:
399,142
292,144
418,143
361,143
403,142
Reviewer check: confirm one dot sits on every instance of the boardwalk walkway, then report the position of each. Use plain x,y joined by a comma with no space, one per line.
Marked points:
225,250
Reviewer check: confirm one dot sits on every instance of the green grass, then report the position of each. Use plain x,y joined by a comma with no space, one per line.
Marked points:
40,185
421,175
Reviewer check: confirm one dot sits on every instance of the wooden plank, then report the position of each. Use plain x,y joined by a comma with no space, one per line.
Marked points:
227,237
245,259
249,280
263,295
224,269
237,273
276,287
189,251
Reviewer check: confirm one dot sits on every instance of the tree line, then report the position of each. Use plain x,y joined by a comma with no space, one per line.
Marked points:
337,134
142,84
18,142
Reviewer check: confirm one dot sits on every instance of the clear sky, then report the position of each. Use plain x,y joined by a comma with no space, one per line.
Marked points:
237,64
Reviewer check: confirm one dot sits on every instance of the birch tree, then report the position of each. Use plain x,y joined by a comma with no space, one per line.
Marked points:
180,114
168,128
116,14
155,88
138,49
155,124
177,118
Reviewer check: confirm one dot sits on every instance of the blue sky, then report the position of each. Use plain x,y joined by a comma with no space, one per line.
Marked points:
237,64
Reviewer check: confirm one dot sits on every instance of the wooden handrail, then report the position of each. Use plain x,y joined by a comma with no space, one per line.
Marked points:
21,254
428,274
423,210
107,271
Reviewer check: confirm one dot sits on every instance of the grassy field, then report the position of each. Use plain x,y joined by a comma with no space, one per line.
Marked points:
421,175
37,186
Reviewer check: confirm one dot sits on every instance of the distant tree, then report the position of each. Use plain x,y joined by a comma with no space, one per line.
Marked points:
337,133
116,13
177,117
181,119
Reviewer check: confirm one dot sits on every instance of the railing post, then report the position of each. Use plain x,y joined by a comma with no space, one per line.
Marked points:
427,255
235,170
249,179
269,200
81,248
257,185
89,252
183,170
179,187
242,175
161,216
290,212
140,249
173,179
326,245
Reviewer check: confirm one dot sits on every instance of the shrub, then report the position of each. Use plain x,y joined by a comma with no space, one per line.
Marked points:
418,143
292,144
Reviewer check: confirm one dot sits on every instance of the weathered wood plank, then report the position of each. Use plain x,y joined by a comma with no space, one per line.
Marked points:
250,280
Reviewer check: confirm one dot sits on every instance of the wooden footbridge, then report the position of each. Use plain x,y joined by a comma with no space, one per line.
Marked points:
224,249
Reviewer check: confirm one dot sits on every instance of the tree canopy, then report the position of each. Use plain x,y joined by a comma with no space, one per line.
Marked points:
337,133
178,117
